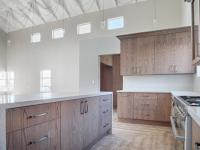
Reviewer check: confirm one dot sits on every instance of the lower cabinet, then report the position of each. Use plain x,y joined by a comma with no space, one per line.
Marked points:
144,106
45,136
195,136
67,125
82,123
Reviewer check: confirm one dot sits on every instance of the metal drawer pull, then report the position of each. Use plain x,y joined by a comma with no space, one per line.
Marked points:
81,108
37,115
106,125
178,137
38,141
86,107
105,100
105,111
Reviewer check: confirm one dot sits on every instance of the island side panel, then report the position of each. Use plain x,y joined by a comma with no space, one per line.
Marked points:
2,129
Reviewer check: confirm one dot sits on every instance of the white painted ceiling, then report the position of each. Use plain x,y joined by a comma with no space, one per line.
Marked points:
18,14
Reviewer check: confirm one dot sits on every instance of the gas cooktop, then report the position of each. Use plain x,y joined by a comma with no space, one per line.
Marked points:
191,100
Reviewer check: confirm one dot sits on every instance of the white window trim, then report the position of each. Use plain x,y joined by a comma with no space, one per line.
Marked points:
32,37
114,18
45,78
82,24
58,29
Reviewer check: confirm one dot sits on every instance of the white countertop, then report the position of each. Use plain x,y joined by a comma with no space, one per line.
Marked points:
193,111
144,91
12,101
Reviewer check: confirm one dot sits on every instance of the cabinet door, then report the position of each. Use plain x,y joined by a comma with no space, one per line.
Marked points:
164,53
72,125
195,134
183,53
145,105
91,121
125,105
128,56
145,55
15,141
164,107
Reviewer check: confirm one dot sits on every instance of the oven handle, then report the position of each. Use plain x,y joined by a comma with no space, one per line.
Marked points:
178,137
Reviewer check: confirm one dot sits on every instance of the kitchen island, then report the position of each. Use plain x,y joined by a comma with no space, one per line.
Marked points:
54,121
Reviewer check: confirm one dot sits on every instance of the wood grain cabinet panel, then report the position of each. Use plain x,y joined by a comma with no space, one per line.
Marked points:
164,107
195,135
183,53
72,125
144,106
164,53
128,57
45,136
145,55
91,121
158,52
125,105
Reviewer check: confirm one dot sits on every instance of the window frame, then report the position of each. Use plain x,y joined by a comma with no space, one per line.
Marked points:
42,85
115,18
58,29
84,24
35,40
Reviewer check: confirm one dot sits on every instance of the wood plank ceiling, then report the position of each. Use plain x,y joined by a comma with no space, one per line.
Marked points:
18,14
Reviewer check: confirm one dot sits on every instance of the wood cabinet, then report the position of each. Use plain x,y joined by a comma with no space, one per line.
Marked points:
195,136
72,125
82,122
163,107
144,106
126,105
145,55
91,121
41,137
67,125
158,52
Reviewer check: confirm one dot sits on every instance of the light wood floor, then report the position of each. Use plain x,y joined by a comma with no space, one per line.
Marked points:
128,136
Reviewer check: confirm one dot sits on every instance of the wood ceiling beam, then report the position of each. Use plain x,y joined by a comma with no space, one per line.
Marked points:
98,4
78,2
26,16
49,9
64,6
36,11
116,2
15,18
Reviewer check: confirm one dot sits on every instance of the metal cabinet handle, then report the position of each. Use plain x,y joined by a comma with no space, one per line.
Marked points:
105,111
37,115
38,141
105,100
106,125
81,108
86,107
178,137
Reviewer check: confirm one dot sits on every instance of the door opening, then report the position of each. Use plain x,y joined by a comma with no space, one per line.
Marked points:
110,78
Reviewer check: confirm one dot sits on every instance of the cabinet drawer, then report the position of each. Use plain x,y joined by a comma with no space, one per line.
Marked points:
106,124
150,104
40,113
45,136
144,115
106,99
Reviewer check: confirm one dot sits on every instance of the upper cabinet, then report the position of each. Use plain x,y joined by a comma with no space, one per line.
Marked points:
159,52
195,5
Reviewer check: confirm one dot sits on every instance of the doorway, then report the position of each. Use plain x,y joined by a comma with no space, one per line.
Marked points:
110,78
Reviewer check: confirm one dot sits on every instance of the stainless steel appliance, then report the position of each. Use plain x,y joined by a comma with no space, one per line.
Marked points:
181,122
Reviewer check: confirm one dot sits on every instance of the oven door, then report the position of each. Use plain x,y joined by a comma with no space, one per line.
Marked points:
178,127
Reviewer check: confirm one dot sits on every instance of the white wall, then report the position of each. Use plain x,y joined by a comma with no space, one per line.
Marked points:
2,50
65,57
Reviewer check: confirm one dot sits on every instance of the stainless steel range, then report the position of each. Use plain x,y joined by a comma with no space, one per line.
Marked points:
182,122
